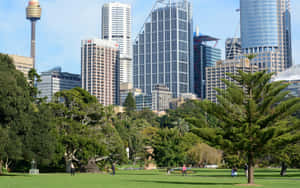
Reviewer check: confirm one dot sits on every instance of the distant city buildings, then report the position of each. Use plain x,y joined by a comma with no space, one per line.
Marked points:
205,55
161,98
54,81
125,89
233,48
116,26
163,51
214,75
143,102
23,64
266,31
100,71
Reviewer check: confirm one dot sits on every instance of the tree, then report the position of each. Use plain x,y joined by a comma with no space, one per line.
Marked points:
251,113
129,103
202,154
25,125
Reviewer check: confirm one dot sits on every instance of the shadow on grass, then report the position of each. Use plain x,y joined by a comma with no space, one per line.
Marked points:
182,182
13,175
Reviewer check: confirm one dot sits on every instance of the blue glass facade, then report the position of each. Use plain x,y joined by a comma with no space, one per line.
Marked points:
259,23
204,56
266,32
163,53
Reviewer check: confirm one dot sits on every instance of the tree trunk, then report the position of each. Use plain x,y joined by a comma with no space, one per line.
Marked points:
283,169
250,169
0,166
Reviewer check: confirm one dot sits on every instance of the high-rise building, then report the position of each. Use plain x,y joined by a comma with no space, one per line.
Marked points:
143,102
215,74
116,26
266,32
55,80
33,13
233,48
163,50
205,55
161,98
100,61
125,89
23,64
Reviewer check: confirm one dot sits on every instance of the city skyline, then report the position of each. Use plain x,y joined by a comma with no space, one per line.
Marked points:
58,40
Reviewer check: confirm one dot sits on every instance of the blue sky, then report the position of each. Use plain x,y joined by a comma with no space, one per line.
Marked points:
65,23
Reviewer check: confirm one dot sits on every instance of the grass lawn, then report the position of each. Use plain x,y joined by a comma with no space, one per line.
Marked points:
202,178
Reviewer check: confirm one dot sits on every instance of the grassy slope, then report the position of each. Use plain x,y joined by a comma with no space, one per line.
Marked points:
150,179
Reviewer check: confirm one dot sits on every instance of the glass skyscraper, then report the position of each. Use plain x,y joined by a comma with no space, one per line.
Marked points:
163,51
266,31
205,55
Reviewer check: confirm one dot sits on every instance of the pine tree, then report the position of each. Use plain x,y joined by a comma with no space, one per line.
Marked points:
129,103
251,113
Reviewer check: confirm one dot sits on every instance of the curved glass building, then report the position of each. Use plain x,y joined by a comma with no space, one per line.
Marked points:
266,31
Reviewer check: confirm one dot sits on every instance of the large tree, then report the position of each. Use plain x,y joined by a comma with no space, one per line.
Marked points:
251,113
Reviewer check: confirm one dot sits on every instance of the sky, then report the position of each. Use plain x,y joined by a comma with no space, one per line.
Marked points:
65,23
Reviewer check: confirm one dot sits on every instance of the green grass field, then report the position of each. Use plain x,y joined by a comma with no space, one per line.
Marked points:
202,178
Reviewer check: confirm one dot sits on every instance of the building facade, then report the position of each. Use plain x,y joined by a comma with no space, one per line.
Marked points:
54,81
23,64
163,50
233,48
205,55
100,61
214,75
161,98
116,26
266,32
143,102
125,89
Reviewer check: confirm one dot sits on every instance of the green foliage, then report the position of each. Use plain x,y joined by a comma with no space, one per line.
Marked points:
251,117
129,103
202,154
170,147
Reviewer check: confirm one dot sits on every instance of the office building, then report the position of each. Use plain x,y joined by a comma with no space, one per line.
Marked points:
163,50
100,70
161,98
266,31
55,80
23,64
116,26
214,75
125,89
143,102
205,55
233,48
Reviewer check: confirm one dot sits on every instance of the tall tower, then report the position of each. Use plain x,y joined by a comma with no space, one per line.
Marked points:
163,50
266,32
33,13
116,26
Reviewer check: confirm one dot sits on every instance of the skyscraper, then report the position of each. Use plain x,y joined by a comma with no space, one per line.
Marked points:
233,48
205,55
55,80
116,26
266,31
33,13
163,50
100,70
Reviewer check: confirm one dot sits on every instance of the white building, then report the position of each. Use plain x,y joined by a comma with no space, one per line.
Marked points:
100,70
116,26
